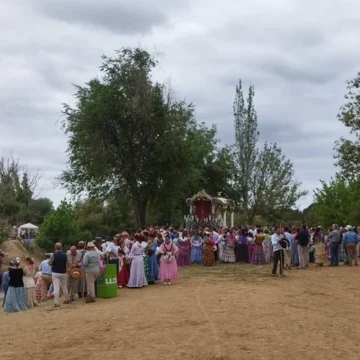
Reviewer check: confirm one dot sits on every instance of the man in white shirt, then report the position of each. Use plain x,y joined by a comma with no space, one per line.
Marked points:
253,231
105,244
113,251
278,252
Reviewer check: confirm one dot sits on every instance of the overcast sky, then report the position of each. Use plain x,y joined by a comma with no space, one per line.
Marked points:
297,53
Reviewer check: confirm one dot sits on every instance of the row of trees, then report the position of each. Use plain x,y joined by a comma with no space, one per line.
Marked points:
338,201
131,140
133,144
83,220
18,199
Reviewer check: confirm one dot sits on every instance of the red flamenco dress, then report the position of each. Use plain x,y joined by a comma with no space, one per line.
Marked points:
123,274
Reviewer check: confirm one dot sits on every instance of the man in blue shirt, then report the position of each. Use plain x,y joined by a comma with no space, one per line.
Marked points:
46,272
350,241
6,280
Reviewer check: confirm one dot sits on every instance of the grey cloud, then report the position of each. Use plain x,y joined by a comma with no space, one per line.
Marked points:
298,61
302,37
295,72
124,17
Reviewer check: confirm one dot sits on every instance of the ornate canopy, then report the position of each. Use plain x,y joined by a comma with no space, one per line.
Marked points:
201,195
223,203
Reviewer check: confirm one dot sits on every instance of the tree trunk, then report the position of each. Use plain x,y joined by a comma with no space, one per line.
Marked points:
140,211
250,218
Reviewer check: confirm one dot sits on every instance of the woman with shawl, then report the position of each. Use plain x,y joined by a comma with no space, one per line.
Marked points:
251,245
196,248
168,266
123,274
184,250
209,255
266,246
137,270
258,257
153,263
241,247
228,249
29,282
320,253
15,297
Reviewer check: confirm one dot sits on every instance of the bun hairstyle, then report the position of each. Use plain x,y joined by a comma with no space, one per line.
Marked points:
29,260
139,237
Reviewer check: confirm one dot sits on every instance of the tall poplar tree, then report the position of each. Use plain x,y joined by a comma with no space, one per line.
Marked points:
348,150
263,179
246,138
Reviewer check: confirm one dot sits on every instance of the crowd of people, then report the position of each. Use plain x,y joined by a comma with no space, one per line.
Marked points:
154,255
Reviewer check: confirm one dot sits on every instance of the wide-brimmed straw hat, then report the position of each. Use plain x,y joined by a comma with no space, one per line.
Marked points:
90,244
124,233
76,273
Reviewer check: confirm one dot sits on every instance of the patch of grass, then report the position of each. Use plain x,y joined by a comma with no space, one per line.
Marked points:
231,271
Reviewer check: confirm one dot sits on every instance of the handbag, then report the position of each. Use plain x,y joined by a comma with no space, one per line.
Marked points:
168,258
101,266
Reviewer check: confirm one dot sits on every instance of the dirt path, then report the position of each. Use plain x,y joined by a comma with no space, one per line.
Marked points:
311,314
13,249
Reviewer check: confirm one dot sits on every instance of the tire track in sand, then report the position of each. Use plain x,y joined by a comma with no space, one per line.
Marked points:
217,347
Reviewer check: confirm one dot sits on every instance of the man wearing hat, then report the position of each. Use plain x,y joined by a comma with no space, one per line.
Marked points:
73,263
350,242
92,268
98,245
125,236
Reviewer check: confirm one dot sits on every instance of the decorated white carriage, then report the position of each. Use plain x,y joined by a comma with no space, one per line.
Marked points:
208,211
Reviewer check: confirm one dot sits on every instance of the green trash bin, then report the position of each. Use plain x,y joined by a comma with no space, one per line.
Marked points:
106,283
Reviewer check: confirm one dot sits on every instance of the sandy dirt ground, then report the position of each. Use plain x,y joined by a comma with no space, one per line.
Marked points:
310,314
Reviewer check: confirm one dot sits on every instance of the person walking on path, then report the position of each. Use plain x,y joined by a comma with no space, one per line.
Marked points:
58,263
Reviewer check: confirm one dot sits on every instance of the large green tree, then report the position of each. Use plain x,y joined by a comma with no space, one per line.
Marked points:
59,226
18,203
348,150
210,171
129,137
337,202
40,208
264,178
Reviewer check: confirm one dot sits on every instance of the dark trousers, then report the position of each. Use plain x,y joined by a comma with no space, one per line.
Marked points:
334,253
116,262
5,288
216,253
278,256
